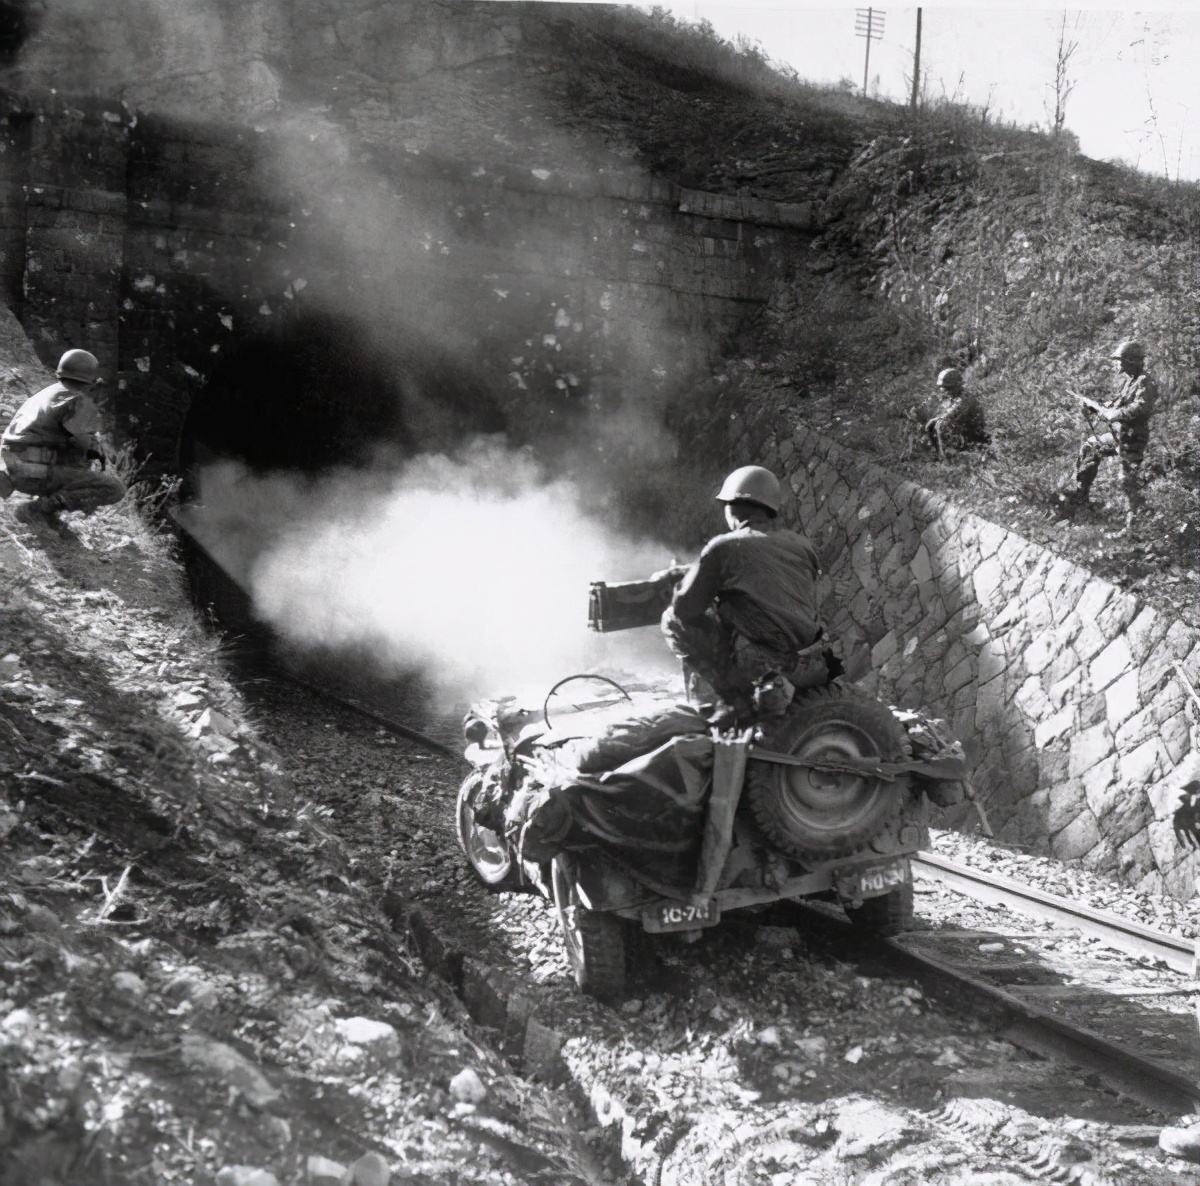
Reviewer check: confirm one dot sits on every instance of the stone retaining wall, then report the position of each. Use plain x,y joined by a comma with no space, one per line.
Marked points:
159,243
1064,689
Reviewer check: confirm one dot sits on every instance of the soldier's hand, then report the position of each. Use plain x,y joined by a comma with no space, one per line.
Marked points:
674,573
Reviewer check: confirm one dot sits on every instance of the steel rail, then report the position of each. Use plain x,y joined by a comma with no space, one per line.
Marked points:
1133,938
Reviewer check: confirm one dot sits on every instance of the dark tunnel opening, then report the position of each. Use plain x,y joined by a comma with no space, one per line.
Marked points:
18,22
315,391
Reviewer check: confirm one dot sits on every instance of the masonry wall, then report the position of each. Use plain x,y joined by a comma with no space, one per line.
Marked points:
158,244
1064,690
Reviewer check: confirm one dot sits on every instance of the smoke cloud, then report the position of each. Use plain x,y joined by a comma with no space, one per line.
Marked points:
472,568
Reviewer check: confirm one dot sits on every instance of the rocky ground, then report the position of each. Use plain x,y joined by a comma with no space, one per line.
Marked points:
198,982
753,1051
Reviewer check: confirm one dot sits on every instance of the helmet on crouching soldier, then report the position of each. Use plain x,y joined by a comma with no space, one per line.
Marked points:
1129,352
78,366
753,484
950,379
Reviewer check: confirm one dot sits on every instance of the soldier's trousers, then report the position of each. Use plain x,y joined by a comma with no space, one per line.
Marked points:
67,487
1093,450
728,661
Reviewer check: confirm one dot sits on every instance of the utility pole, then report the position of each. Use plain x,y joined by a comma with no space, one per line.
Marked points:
868,23
917,64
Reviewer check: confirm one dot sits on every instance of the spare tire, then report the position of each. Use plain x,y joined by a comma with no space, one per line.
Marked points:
814,813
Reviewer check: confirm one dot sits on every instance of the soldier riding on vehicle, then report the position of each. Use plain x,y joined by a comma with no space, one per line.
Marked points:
745,616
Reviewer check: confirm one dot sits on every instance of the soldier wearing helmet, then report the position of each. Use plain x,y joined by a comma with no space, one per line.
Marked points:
47,449
746,615
1129,416
959,422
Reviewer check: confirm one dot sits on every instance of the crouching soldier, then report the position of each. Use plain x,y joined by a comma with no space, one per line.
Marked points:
48,447
959,422
746,615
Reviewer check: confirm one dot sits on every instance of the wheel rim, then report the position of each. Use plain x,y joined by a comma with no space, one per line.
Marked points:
485,849
824,801
568,910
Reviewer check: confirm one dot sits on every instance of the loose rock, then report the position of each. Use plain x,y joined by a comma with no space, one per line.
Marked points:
1181,1142
467,1087
245,1175
323,1172
129,983
378,1037
237,1070
369,1170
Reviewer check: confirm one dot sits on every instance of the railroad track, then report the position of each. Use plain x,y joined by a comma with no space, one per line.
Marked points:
1134,1026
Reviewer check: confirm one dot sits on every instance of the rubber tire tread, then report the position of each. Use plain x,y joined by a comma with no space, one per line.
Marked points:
464,818
762,792
603,939
883,917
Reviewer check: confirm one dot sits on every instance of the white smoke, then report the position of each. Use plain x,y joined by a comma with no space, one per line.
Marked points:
472,568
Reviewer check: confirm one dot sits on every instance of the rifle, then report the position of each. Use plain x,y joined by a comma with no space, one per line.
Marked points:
1090,407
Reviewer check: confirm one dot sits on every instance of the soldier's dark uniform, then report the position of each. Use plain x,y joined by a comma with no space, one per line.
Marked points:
962,423
959,422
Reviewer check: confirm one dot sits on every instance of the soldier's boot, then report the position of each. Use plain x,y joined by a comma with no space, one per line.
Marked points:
1074,498
36,510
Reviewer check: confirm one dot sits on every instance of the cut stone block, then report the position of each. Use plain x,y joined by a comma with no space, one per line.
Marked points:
1137,730
1090,746
884,649
1143,765
988,580
1101,789
1065,804
1041,652
1113,661
1121,699
1077,839
1145,632
1054,727
992,661
1032,701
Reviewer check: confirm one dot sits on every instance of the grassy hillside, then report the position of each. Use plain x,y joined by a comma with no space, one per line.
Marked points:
946,240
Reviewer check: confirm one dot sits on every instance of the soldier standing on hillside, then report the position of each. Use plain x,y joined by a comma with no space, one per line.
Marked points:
1129,414
47,449
959,422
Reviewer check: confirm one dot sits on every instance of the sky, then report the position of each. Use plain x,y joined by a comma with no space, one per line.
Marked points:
1136,74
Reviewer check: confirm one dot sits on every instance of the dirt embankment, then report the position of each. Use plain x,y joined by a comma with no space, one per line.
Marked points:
197,973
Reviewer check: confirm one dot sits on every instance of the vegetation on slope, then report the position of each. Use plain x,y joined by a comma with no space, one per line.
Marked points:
946,239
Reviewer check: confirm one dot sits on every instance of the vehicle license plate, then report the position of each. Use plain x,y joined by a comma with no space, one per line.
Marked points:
681,916
879,879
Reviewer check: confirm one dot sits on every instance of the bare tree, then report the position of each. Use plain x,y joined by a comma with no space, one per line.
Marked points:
1063,83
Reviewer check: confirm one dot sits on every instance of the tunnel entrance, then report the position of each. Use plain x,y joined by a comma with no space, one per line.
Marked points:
315,391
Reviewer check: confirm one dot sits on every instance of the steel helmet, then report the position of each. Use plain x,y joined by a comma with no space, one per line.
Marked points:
1129,350
753,484
79,365
951,378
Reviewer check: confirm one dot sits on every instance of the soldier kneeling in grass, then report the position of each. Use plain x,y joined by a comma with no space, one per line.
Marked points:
48,448
959,422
